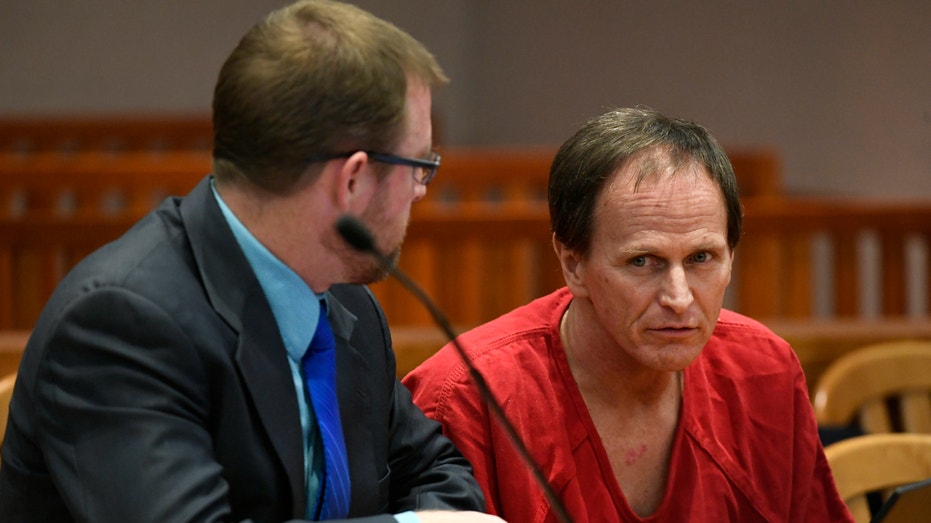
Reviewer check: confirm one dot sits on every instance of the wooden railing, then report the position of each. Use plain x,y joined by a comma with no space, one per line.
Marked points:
32,136
834,257
799,258
479,244
55,209
87,184
70,185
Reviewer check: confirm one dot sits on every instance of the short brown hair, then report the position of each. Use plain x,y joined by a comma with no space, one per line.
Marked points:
599,148
316,77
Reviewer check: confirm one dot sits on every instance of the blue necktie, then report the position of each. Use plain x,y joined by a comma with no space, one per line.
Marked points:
319,364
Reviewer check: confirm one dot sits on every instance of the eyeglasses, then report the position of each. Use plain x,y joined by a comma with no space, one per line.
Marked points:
424,168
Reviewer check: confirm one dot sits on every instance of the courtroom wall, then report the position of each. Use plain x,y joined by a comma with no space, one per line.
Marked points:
840,88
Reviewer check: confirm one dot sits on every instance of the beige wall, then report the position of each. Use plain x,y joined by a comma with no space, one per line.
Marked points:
841,88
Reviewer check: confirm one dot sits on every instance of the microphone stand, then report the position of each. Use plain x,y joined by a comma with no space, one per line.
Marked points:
358,236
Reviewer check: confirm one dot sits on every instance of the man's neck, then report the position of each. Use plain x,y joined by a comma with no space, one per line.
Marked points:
604,372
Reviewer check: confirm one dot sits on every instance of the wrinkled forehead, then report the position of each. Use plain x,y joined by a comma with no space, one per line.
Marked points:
657,181
656,165
682,204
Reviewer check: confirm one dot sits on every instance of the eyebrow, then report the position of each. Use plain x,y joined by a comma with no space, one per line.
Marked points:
704,246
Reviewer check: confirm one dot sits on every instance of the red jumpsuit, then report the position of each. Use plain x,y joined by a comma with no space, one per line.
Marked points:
746,448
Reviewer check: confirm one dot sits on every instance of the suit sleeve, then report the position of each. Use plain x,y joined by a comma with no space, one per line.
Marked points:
122,406
425,468
433,474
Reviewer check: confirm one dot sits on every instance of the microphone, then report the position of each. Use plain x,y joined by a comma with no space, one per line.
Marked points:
357,235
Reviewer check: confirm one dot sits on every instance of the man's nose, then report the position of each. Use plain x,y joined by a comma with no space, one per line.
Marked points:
676,292
420,190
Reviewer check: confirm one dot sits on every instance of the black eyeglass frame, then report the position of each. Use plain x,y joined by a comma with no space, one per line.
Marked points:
428,166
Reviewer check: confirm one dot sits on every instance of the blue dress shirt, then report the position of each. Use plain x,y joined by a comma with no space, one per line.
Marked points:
296,309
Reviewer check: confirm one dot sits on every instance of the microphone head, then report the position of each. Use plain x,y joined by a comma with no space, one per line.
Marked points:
355,233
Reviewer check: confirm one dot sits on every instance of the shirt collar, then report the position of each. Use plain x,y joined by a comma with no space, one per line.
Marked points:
295,306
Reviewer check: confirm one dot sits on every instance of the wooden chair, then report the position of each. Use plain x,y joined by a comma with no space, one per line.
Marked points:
6,394
885,387
12,344
877,462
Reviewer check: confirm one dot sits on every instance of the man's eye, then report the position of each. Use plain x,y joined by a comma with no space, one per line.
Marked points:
701,257
639,261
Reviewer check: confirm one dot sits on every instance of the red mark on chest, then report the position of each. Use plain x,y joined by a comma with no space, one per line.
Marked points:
634,454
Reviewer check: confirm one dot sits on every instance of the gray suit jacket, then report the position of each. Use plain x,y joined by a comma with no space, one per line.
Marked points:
155,387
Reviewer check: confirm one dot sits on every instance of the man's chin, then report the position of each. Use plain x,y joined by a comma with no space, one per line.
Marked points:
394,256
378,271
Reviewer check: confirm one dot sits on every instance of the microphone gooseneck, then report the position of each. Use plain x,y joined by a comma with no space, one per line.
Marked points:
357,235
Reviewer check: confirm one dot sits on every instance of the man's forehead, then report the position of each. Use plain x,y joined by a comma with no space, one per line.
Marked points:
676,203
656,165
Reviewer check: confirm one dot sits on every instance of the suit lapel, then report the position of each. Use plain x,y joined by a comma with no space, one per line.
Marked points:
350,363
260,356
263,362
354,385
342,321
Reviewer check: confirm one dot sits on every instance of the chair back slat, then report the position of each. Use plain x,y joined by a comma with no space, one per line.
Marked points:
885,386
916,411
875,463
874,416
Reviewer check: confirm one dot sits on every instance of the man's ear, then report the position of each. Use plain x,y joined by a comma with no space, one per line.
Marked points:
355,185
730,264
573,268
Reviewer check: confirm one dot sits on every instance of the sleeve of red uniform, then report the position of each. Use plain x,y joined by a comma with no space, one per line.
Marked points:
815,498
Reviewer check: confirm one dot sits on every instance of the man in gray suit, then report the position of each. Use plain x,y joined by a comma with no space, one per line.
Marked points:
165,379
